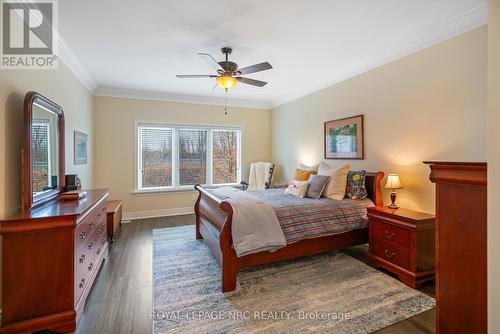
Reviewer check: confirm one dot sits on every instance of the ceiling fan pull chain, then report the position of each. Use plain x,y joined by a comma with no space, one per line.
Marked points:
225,102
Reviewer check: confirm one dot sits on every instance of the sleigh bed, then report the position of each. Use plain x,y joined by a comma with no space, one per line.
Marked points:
214,220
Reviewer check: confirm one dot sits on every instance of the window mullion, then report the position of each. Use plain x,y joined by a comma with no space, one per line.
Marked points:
238,156
175,157
139,158
209,171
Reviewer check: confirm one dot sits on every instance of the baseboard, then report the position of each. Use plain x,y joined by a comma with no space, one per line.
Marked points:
127,216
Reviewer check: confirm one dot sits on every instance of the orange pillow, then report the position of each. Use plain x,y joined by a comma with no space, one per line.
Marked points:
303,175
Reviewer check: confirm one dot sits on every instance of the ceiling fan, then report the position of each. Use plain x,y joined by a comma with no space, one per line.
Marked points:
228,73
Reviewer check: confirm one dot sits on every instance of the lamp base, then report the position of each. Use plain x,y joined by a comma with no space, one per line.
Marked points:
393,200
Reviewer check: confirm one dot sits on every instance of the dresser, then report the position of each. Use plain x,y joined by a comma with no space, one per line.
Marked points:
50,257
402,241
461,271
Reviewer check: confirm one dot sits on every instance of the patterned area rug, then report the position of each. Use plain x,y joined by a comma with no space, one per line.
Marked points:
328,293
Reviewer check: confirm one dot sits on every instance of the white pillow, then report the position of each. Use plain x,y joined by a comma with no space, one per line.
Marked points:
296,188
335,189
308,168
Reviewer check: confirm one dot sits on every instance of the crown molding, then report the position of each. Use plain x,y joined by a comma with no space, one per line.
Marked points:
73,63
466,21
182,98
461,23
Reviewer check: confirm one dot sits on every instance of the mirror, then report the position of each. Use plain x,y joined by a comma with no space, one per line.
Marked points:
43,150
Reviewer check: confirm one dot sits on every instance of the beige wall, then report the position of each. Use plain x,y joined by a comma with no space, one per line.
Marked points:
114,125
430,105
493,167
58,85
62,87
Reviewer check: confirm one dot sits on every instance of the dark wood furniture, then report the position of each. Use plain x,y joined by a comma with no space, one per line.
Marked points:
114,211
460,246
213,224
402,241
51,256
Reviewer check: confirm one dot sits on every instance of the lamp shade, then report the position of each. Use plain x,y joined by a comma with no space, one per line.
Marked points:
226,81
393,182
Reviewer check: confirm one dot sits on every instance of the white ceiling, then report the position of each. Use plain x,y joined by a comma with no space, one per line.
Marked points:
137,47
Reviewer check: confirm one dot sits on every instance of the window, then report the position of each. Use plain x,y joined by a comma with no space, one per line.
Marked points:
173,157
40,155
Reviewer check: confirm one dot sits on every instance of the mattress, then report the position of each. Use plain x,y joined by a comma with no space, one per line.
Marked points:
304,218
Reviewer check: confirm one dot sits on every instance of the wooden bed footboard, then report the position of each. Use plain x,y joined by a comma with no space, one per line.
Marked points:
213,225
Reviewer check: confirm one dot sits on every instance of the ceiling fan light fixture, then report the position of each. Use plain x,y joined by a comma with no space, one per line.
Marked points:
226,81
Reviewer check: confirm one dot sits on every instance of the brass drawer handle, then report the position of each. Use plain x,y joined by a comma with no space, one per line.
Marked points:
82,283
82,258
390,255
82,235
91,245
91,225
389,235
91,266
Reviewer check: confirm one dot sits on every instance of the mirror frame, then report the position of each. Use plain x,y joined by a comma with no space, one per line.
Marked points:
29,201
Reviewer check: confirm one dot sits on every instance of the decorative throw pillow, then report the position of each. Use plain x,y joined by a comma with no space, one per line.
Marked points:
296,188
356,188
335,189
305,167
303,175
316,185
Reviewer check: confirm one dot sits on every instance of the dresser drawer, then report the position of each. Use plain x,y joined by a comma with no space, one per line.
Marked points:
396,254
100,239
87,225
85,263
384,231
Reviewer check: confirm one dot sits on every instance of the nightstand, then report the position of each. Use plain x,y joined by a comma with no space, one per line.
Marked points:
402,242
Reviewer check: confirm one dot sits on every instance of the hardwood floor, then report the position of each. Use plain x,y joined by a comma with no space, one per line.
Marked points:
122,297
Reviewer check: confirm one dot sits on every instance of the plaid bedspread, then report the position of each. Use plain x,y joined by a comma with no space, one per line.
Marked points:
302,218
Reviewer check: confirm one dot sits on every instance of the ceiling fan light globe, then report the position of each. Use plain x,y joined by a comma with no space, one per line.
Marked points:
226,82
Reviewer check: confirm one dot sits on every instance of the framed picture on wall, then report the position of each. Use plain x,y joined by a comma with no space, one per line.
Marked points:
343,138
80,148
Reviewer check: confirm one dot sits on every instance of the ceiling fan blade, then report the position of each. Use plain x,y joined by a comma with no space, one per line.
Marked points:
252,82
210,61
183,76
255,68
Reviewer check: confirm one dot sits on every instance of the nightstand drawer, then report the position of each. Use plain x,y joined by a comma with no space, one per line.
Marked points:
392,253
391,233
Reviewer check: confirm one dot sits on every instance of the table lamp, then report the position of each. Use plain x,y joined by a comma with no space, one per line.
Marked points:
393,183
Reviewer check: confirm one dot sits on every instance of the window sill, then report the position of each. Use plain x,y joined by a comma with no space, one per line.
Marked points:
179,189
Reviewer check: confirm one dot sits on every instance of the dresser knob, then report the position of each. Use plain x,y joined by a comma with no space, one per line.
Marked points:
98,251
91,225
82,235
390,255
91,245
82,258
82,283
389,235
91,266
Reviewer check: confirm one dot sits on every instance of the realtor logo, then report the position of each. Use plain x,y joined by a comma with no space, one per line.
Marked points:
28,29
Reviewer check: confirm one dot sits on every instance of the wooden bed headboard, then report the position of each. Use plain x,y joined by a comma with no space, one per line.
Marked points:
373,187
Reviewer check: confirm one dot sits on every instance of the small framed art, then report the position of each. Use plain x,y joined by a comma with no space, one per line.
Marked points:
343,138
80,148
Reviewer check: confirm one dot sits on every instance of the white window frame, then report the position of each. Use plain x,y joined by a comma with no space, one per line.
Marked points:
175,155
